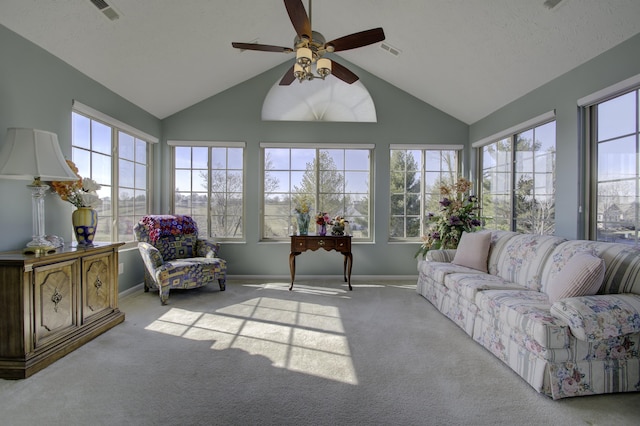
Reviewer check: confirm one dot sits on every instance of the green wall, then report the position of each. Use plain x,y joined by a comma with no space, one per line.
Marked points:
562,94
37,90
235,115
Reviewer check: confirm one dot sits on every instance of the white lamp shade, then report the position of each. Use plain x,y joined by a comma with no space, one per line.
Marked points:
324,63
30,153
303,55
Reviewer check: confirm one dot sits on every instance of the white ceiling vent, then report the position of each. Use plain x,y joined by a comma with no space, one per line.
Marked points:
390,49
550,4
107,10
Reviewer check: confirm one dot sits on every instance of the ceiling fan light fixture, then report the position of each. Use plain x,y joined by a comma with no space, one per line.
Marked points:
299,72
304,56
323,67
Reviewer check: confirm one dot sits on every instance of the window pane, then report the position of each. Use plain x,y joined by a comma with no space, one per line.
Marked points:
182,157
100,138
141,176
127,176
617,116
81,131
617,159
126,147
141,151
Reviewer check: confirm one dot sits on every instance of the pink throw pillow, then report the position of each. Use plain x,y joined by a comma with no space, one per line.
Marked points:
581,276
473,250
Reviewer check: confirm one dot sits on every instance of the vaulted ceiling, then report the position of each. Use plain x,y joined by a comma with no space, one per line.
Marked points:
465,57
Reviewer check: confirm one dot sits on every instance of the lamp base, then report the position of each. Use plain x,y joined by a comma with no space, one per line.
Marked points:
38,251
39,247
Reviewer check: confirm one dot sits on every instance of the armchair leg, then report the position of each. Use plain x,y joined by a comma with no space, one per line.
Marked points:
222,284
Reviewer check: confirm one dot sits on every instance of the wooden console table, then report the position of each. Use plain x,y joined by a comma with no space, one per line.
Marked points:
302,243
54,303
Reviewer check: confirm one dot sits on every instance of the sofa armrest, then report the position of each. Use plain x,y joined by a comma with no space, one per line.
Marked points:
150,256
207,248
440,255
600,317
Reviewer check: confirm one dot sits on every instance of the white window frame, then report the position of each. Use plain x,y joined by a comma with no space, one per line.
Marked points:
424,185
318,147
589,196
508,134
116,127
211,145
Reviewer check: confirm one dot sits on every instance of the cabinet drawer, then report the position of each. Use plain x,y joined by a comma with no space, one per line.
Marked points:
300,244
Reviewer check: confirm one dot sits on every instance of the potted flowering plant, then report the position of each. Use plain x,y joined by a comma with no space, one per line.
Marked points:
338,224
82,193
301,209
458,212
322,220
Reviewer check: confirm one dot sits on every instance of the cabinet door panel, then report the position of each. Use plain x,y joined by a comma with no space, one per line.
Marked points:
97,279
56,300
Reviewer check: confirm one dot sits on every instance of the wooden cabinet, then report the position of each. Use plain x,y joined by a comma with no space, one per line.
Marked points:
54,303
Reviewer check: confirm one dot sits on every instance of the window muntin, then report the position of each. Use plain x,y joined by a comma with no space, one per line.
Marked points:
209,186
337,179
119,162
615,151
517,188
415,179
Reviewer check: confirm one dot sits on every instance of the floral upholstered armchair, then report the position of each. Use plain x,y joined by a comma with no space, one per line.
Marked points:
175,257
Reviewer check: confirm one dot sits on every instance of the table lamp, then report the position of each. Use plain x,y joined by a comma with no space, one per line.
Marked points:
35,155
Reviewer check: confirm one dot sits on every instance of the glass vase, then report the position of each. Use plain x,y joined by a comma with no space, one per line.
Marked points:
322,229
303,223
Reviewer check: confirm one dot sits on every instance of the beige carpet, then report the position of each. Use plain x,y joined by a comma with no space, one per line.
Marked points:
258,354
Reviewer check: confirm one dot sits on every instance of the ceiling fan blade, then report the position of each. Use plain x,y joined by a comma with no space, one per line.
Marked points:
261,47
288,77
341,72
299,17
351,41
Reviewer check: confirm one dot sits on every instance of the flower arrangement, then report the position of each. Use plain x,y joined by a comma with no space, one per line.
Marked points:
303,204
323,219
81,192
458,213
338,224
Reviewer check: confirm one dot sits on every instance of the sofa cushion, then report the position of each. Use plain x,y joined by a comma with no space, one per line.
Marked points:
438,270
527,311
473,250
622,264
523,257
582,275
593,318
440,255
468,285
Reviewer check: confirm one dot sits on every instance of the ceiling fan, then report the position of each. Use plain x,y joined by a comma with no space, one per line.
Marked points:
310,47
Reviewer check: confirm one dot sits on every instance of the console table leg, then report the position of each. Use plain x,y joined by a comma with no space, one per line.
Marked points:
348,264
292,268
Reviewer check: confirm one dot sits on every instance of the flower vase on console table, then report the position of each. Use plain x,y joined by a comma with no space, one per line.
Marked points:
303,223
85,223
322,229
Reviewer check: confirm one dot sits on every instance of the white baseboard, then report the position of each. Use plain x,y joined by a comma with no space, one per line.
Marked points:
287,278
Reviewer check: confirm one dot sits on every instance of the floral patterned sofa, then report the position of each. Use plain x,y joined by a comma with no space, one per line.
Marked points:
563,347
175,257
